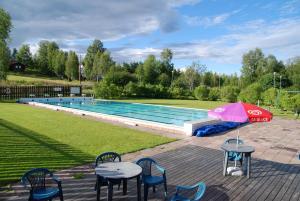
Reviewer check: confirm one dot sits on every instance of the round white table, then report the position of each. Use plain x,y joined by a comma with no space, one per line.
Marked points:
120,170
240,148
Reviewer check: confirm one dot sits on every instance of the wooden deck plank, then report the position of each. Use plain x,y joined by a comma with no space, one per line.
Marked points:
188,165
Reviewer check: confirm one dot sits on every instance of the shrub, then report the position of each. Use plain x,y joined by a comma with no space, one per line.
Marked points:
178,92
230,93
214,94
131,90
108,91
251,94
269,96
285,101
201,92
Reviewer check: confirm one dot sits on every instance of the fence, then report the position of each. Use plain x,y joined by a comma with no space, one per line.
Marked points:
15,92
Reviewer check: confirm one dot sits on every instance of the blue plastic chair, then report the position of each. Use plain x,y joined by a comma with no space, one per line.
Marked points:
234,156
150,180
40,180
101,181
197,196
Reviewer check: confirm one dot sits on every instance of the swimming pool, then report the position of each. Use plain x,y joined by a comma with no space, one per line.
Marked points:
155,113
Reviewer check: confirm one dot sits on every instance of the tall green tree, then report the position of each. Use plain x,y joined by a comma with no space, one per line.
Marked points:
253,66
92,50
293,71
59,64
5,27
102,63
4,60
192,74
24,55
150,68
52,50
42,57
72,66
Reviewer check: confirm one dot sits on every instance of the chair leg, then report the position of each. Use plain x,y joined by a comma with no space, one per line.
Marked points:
153,189
124,186
61,197
98,191
145,192
166,188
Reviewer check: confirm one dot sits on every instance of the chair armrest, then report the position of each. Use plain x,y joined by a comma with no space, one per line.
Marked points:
161,169
56,179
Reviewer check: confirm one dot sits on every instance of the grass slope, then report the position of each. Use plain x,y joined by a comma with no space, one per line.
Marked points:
35,137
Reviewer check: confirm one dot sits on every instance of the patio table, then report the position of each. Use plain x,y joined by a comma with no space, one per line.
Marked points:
120,170
240,148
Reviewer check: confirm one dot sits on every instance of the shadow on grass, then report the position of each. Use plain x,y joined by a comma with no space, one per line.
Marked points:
22,149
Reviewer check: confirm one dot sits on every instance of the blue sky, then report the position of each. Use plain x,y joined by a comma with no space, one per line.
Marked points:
215,32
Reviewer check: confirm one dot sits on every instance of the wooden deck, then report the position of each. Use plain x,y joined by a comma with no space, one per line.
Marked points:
188,165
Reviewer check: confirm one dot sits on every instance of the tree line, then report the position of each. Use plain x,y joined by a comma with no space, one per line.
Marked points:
263,77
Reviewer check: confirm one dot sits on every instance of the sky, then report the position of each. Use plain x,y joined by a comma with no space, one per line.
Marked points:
213,32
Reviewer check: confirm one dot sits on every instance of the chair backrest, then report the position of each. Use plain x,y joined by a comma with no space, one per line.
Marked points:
200,191
107,157
146,165
233,141
36,178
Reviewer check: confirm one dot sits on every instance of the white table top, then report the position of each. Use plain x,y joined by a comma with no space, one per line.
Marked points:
118,170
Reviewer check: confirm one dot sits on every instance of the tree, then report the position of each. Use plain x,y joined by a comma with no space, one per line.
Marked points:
59,64
150,68
193,72
102,64
42,57
72,65
253,66
5,27
24,56
214,94
293,71
166,55
93,49
52,49
4,60
272,65
139,71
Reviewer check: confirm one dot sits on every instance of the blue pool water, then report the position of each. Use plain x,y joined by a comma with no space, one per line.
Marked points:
154,113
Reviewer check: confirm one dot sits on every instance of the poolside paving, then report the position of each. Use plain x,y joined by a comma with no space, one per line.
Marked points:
275,167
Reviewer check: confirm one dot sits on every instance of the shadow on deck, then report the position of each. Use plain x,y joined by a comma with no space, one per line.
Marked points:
186,166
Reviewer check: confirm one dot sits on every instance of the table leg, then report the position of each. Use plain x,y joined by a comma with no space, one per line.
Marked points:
138,181
98,186
225,163
248,165
124,186
110,191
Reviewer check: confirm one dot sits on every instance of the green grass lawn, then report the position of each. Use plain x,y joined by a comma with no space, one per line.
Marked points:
204,105
33,79
179,103
35,137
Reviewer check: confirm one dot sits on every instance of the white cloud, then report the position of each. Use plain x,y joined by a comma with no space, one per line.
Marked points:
279,38
209,21
290,7
178,3
59,20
